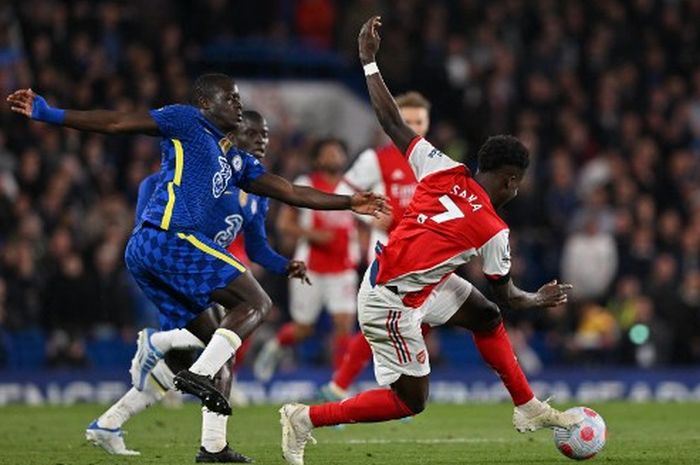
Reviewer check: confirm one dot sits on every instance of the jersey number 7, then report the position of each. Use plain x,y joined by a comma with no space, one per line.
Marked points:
452,211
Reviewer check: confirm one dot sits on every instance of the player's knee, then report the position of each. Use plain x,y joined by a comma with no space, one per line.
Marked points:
489,318
416,404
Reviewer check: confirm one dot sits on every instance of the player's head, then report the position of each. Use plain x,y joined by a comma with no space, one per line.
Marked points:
329,155
504,159
216,95
252,134
415,111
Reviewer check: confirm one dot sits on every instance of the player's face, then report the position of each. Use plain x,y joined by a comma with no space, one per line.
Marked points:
331,159
225,107
512,186
253,137
416,118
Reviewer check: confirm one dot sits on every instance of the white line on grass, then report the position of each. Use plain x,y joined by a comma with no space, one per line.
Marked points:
417,441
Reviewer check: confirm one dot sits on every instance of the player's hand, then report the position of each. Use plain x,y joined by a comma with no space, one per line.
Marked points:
22,101
297,269
382,222
368,40
369,203
553,294
32,105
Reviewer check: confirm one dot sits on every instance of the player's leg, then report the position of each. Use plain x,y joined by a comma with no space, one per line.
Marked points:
214,445
340,298
356,358
106,431
246,305
401,361
305,304
483,318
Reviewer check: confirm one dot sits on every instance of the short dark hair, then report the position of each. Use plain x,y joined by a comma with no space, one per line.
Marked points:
253,116
320,143
206,84
502,150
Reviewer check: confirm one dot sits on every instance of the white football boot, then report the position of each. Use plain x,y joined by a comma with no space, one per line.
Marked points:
296,432
537,414
145,358
111,440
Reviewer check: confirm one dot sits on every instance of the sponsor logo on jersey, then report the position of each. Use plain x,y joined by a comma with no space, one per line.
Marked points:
222,177
226,236
435,153
397,175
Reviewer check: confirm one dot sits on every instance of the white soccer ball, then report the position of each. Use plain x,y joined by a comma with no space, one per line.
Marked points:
586,439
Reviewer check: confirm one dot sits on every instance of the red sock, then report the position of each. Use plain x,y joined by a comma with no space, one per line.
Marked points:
366,407
495,349
286,336
340,348
355,360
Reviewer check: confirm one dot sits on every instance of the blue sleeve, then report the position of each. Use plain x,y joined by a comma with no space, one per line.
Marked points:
146,188
252,169
258,248
175,121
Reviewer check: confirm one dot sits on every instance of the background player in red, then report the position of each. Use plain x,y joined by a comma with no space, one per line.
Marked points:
451,219
383,169
327,242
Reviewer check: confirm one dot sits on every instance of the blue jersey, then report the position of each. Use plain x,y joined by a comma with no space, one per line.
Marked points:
198,164
234,212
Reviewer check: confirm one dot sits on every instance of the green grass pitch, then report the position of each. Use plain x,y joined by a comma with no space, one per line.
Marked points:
444,434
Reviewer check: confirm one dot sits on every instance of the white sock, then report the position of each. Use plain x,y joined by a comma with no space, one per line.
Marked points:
130,404
531,407
213,430
223,346
175,339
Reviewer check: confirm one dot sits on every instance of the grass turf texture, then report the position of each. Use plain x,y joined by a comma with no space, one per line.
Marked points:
444,434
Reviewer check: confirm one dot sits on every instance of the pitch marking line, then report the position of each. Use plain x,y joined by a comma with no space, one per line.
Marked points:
417,441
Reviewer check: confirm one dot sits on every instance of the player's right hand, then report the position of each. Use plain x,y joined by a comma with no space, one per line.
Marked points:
553,294
368,40
26,102
297,269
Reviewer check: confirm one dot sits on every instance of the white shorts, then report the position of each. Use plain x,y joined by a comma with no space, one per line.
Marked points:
394,330
337,292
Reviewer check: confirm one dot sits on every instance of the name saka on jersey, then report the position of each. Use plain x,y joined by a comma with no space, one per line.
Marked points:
449,221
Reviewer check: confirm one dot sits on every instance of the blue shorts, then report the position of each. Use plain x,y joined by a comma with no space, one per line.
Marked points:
178,271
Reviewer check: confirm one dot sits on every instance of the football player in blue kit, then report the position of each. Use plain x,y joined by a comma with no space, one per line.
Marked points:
173,262
236,212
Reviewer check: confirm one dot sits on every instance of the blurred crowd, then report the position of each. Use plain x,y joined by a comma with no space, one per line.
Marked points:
606,95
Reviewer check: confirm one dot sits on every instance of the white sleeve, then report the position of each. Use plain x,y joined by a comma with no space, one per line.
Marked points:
302,180
363,175
496,256
425,159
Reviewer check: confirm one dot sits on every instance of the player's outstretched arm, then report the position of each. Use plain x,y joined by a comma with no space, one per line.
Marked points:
32,105
364,203
551,294
382,100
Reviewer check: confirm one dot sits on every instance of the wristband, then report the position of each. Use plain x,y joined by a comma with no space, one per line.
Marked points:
371,68
41,111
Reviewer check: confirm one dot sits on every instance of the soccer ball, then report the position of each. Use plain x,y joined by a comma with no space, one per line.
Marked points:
586,439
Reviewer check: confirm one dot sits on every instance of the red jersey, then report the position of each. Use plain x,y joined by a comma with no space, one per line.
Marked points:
341,253
384,170
449,221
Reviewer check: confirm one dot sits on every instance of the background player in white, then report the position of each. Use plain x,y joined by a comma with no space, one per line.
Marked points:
327,242
452,218
384,170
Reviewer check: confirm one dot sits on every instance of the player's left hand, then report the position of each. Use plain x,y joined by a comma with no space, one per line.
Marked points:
369,203
22,101
553,294
368,41
297,269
